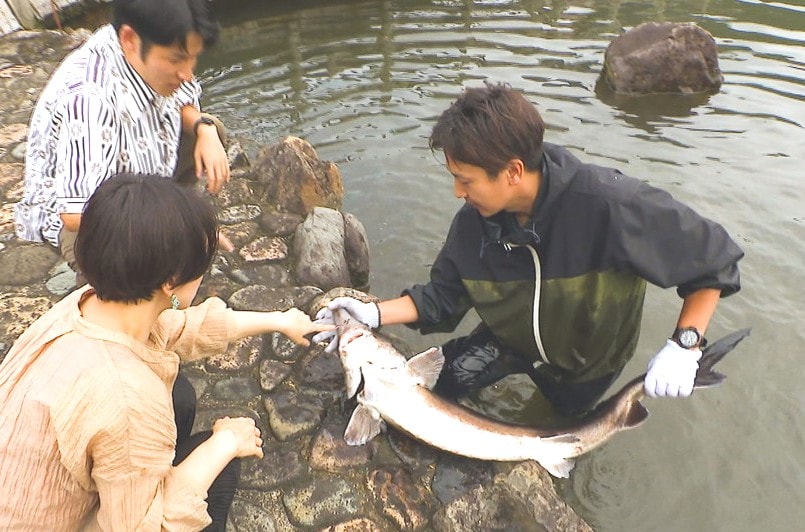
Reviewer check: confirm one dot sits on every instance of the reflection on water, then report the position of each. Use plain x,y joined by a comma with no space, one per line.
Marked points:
364,82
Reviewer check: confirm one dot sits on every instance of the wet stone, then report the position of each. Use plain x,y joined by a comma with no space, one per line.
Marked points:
355,525
456,476
241,354
235,389
265,248
238,213
280,464
399,498
329,451
272,373
13,134
7,219
18,152
411,452
291,413
322,371
237,192
27,264
264,298
283,348
322,502
62,282
10,175
18,313
280,223
259,511
240,233
267,274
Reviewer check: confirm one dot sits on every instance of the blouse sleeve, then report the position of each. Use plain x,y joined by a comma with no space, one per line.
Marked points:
116,435
195,332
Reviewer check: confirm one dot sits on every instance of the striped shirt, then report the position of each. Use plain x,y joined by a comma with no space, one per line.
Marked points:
96,117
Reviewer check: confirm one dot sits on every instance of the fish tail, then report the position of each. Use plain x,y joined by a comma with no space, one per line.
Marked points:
712,354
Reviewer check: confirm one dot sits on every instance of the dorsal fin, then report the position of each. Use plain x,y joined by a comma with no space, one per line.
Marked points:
426,366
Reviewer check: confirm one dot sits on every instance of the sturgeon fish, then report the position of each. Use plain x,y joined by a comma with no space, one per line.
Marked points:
397,391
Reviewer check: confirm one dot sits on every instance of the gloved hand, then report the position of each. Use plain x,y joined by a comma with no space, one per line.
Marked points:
366,313
672,371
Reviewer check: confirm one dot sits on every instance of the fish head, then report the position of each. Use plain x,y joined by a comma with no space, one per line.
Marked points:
353,350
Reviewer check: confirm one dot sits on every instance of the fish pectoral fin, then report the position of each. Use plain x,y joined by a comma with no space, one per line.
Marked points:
426,366
560,469
364,425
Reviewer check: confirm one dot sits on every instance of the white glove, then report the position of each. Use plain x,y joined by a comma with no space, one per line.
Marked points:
366,313
672,371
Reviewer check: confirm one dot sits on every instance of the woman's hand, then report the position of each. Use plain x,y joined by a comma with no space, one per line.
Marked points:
295,324
242,433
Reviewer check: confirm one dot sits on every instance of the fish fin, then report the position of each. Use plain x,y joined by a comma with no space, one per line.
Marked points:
637,414
705,376
352,380
364,425
564,437
426,366
560,469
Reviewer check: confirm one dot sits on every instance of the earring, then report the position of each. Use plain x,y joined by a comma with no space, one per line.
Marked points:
174,302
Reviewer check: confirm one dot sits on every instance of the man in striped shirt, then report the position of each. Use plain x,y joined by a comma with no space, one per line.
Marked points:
120,103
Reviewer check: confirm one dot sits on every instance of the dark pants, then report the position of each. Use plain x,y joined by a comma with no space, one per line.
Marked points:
479,359
222,491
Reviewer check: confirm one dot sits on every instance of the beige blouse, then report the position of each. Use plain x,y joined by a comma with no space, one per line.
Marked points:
87,433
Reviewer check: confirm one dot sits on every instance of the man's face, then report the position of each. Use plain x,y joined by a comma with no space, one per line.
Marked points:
475,186
164,68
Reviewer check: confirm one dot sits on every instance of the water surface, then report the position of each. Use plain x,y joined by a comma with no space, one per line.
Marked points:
364,82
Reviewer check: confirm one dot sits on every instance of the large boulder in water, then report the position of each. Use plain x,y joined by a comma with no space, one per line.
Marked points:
295,180
661,58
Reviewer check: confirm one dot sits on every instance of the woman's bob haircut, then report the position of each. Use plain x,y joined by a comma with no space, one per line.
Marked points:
139,232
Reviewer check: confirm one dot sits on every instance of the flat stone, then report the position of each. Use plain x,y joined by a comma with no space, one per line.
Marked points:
280,465
241,354
260,510
265,248
322,502
272,373
331,453
292,413
27,264
399,498
238,213
264,298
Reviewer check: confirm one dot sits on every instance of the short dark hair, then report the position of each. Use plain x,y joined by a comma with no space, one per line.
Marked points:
166,22
139,232
488,127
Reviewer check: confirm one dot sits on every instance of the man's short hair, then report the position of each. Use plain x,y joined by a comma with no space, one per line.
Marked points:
166,22
139,232
488,127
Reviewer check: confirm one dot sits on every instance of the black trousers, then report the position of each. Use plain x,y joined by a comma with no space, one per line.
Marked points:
222,491
479,359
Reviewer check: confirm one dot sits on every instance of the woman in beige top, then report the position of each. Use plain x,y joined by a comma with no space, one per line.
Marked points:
87,430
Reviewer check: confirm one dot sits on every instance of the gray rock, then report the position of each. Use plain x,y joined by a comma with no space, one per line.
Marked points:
292,413
28,264
280,223
281,464
259,511
323,502
264,298
665,57
319,251
356,246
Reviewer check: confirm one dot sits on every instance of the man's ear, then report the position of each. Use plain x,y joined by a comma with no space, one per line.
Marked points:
130,42
514,171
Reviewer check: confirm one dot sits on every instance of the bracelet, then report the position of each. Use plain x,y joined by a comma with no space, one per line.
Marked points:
206,120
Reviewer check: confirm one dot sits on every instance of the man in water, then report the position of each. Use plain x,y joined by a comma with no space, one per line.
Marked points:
554,255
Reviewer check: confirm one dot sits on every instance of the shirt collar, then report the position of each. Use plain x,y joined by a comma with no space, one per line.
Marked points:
138,95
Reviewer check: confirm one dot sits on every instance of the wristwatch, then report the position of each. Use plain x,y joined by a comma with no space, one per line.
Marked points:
206,120
688,337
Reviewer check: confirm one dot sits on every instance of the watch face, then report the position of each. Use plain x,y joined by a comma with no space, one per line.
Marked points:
688,338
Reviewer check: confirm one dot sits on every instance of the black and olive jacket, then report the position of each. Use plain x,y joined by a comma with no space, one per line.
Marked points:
578,268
